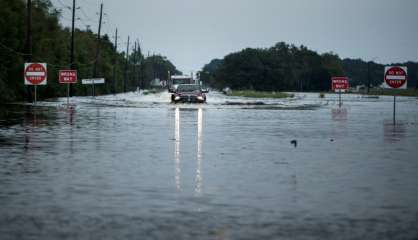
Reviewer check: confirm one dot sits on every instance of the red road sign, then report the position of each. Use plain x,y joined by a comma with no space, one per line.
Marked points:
340,83
396,77
35,74
68,76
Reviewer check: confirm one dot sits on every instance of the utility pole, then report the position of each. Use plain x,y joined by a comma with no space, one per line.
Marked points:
140,64
153,66
416,80
115,62
126,67
29,44
97,47
368,77
70,89
134,60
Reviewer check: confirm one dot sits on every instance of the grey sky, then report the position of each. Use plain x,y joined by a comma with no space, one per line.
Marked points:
192,32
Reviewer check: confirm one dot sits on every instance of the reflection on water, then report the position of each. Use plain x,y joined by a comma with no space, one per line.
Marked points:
106,172
177,148
199,177
393,132
70,111
339,114
199,154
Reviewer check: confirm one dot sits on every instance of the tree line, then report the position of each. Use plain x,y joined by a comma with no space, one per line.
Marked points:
285,67
51,44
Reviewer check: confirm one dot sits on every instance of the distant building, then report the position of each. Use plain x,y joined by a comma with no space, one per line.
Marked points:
361,88
175,80
156,82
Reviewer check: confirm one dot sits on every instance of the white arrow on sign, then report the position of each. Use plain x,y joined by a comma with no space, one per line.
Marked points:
93,81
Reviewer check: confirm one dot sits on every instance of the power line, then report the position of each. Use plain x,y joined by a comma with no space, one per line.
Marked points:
65,6
85,14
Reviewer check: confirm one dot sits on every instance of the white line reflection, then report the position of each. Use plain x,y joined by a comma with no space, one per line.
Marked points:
199,178
177,149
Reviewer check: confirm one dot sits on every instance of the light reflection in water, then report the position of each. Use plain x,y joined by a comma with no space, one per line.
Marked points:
177,148
199,157
199,178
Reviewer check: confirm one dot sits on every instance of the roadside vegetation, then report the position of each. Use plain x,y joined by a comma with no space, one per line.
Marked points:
285,67
410,92
258,94
51,45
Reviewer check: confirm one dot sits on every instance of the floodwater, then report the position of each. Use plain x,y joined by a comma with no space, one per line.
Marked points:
134,166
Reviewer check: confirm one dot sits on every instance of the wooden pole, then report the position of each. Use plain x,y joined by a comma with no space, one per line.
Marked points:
29,44
97,48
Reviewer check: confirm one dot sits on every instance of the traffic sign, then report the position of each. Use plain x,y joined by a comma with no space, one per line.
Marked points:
396,77
93,81
35,74
68,76
340,83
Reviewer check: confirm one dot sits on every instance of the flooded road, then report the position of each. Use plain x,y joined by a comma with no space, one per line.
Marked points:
134,166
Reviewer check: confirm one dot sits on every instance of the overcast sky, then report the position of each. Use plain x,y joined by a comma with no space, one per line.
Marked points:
193,32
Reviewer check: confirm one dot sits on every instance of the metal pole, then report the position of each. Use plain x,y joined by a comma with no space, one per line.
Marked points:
68,94
92,88
340,97
72,67
35,94
394,110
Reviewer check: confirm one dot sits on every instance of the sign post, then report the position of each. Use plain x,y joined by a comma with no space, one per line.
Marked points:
68,77
395,78
340,83
35,74
93,82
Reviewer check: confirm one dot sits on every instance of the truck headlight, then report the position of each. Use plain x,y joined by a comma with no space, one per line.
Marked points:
200,98
177,98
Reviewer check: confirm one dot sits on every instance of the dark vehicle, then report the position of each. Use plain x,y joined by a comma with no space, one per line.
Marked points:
191,93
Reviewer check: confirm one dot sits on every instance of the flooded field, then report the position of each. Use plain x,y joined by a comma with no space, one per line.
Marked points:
134,166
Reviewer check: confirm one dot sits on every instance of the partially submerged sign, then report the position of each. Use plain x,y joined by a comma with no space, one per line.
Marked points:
67,76
35,74
396,77
340,83
93,81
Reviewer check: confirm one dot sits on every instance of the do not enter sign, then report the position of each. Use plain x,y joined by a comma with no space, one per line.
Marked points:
396,77
35,73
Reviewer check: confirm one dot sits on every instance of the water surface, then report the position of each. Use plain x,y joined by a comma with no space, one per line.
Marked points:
135,166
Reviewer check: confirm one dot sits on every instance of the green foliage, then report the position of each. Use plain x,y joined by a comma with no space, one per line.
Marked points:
281,67
257,94
359,70
51,44
286,67
410,92
157,66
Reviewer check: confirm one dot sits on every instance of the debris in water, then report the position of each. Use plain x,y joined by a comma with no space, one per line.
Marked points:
294,142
